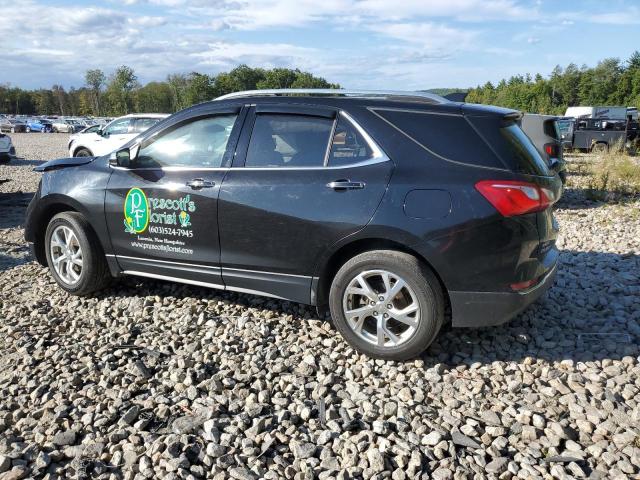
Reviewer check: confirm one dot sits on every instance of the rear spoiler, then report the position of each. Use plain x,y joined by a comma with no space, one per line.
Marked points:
511,118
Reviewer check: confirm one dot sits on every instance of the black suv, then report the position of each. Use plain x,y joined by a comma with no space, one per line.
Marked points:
391,209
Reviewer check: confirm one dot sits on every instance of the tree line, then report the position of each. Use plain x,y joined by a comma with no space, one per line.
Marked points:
610,82
121,92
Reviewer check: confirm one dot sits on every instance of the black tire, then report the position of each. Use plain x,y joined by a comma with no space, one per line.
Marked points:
82,152
422,281
28,129
95,273
600,148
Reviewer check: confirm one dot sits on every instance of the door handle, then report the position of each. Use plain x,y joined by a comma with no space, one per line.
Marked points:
345,185
199,183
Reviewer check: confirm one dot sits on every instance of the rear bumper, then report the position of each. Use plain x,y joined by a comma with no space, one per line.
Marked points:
484,309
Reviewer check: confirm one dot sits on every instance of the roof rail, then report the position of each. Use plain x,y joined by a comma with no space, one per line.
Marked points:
326,92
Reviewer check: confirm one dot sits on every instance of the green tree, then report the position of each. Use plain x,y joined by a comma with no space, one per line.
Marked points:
120,90
95,81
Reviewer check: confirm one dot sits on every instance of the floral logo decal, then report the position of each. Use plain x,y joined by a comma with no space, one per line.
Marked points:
136,211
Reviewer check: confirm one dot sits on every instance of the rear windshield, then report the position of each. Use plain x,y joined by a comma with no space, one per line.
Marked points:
551,129
511,145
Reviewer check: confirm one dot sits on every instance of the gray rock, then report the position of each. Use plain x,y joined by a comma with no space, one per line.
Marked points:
432,439
497,465
187,424
5,463
242,473
131,415
376,460
462,440
61,439
303,450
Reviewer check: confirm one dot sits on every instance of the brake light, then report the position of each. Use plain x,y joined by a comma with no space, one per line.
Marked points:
513,198
551,149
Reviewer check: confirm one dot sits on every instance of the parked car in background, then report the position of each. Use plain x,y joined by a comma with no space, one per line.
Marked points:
389,209
544,132
66,125
73,138
600,135
113,135
11,125
7,150
38,125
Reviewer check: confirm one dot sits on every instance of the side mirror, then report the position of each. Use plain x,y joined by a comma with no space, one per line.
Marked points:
120,158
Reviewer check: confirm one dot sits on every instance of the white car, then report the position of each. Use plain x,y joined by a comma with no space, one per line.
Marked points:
113,135
7,151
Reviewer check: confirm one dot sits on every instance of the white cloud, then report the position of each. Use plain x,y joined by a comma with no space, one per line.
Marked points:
630,16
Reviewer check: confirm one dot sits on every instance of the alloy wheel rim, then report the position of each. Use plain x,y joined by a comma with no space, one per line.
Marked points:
66,255
381,308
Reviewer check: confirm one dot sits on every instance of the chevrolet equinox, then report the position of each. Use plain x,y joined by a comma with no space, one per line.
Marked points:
397,211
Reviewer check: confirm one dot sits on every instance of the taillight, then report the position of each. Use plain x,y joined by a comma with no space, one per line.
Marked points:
513,198
551,149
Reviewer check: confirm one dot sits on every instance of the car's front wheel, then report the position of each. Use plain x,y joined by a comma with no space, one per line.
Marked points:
74,256
82,152
387,304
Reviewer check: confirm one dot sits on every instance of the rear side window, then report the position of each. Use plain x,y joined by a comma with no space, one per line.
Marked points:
348,146
448,136
511,145
283,140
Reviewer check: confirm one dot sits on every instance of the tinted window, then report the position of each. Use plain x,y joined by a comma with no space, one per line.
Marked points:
519,147
199,143
288,141
119,127
348,146
143,124
511,145
551,129
448,136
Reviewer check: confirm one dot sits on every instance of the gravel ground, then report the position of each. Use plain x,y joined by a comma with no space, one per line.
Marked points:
158,380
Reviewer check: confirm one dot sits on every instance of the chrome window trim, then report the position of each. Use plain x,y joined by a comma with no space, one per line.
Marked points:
379,156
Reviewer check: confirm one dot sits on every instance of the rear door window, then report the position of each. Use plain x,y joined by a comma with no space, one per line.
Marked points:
348,145
286,140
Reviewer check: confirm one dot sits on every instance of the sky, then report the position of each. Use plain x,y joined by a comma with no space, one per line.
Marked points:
366,44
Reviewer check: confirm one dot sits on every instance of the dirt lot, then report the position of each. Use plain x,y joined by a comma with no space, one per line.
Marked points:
162,380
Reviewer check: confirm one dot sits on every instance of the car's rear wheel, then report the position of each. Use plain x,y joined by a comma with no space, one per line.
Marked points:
82,152
74,256
599,148
28,129
387,304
